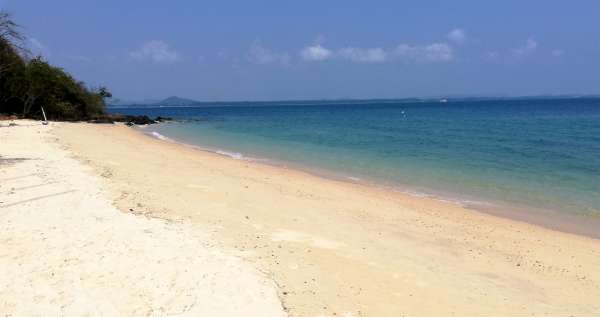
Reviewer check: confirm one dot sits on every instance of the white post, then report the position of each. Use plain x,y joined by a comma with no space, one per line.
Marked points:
44,114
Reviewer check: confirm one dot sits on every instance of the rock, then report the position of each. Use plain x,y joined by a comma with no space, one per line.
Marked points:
129,119
163,119
103,120
139,120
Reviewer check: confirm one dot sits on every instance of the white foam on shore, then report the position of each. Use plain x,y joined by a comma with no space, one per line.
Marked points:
160,136
449,198
234,155
240,156
417,194
489,206
411,192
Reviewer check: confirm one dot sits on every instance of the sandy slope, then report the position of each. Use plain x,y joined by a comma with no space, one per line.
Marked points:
339,249
65,250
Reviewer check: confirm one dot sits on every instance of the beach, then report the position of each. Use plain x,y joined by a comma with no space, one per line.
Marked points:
67,251
273,240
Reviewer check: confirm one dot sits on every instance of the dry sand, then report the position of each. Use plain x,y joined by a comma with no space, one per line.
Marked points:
65,250
336,248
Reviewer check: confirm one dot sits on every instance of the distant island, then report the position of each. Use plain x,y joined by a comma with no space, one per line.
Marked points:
172,101
175,101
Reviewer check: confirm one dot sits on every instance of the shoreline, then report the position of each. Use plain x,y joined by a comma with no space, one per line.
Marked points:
340,249
579,224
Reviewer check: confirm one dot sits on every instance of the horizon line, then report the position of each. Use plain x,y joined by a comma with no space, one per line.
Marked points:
430,98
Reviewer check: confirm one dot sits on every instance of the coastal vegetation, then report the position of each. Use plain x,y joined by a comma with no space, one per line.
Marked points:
29,83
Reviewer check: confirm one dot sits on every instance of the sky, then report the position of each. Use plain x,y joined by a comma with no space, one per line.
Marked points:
283,50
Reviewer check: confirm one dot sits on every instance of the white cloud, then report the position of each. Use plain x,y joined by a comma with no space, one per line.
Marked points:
261,55
529,48
492,55
223,55
37,48
457,36
155,51
558,53
316,53
369,55
436,52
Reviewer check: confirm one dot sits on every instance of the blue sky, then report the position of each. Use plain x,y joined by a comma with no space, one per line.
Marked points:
275,50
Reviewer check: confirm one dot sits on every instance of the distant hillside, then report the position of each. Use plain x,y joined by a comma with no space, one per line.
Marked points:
168,102
175,102
181,102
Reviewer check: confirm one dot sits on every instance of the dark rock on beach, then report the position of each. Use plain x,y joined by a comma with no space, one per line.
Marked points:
102,120
163,119
140,120
129,119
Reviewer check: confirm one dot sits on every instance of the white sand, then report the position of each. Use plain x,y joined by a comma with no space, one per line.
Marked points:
65,250
343,249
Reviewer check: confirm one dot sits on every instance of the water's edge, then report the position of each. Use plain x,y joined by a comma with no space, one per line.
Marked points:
583,225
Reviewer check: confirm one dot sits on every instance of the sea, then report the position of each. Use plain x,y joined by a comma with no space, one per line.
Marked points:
523,155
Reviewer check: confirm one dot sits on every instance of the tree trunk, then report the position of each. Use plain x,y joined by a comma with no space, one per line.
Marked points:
27,104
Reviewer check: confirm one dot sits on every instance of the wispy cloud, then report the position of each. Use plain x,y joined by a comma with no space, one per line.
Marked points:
155,51
493,55
316,53
369,55
38,48
457,36
223,55
435,52
557,53
529,48
258,54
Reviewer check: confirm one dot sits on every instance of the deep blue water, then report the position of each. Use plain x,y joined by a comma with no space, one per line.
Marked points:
538,153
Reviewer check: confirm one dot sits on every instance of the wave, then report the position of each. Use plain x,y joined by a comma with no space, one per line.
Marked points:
412,192
160,136
234,155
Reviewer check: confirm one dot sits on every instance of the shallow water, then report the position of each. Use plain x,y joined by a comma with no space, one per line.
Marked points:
531,152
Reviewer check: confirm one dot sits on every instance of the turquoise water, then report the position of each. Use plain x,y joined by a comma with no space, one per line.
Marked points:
532,152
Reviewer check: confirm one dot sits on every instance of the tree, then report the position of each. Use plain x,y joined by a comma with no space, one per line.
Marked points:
11,42
26,84
104,93
9,29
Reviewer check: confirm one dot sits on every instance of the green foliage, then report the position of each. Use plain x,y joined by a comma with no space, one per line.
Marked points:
26,85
